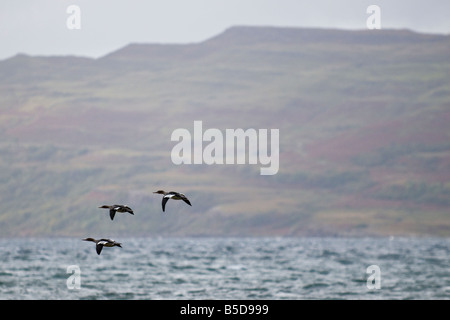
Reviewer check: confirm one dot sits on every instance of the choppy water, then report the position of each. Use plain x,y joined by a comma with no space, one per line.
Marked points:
226,268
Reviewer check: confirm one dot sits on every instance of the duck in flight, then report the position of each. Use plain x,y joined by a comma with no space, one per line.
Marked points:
117,208
99,244
171,195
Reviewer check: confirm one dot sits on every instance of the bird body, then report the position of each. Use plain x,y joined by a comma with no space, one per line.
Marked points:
172,195
99,244
117,208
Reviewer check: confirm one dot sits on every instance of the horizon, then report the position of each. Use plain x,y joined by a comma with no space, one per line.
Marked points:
214,36
42,28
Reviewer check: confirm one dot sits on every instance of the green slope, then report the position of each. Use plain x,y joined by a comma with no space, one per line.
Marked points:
363,119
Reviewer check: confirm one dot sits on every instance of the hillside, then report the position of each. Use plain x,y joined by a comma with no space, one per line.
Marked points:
362,115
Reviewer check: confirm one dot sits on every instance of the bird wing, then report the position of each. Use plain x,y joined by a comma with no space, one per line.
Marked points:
123,208
99,247
186,200
128,209
164,201
112,213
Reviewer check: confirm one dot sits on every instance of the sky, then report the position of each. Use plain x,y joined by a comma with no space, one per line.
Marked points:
39,27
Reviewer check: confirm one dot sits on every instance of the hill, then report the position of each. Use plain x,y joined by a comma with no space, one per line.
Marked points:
363,136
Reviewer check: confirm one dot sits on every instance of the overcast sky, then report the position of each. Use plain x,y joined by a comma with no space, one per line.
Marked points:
38,27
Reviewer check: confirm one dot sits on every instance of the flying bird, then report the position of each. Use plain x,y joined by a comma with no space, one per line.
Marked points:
99,244
117,208
171,195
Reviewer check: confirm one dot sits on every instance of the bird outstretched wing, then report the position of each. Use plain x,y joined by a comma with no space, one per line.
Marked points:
164,201
112,213
99,247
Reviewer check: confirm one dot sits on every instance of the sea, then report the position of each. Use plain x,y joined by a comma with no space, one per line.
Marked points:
205,268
